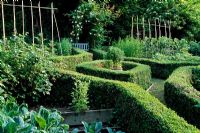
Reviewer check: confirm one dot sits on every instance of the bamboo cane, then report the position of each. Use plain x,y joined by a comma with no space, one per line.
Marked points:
32,24
41,30
3,23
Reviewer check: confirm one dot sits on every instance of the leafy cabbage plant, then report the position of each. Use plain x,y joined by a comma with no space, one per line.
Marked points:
16,118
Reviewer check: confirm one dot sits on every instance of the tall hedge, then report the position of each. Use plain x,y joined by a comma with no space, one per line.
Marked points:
181,96
134,72
70,62
135,110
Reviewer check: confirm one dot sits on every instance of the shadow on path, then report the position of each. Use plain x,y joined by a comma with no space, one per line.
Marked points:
157,89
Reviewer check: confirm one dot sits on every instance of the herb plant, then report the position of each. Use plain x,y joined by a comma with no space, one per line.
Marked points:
80,96
116,55
64,47
131,47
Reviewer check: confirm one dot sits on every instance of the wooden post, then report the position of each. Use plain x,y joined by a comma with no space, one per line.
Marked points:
58,34
3,23
159,22
165,28
143,27
169,23
32,24
149,28
52,27
132,28
155,29
14,19
23,18
138,34
41,30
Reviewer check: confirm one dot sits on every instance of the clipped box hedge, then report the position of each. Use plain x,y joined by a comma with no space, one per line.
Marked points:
159,69
181,96
135,110
134,72
98,54
69,62
162,69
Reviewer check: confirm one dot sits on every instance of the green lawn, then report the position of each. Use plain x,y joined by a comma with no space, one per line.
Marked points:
157,89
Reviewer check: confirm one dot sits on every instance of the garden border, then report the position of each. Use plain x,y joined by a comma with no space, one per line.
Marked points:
70,62
135,110
162,69
159,69
181,96
137,73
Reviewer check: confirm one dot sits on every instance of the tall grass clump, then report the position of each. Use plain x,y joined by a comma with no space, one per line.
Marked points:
64,47
131,47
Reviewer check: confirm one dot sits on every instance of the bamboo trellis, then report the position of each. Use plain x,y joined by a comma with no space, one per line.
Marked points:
22,6
143,26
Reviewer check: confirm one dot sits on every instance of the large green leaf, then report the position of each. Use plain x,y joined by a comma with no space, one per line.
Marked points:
98,127
65,127
24,109
109,130
40,120
54,118
44,113
26,129
19,120
75,130
11,127
86,126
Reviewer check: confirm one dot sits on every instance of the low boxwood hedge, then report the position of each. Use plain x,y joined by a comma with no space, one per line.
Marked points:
162,69
134,72
98,54
70,62
135,110
181,96
159,69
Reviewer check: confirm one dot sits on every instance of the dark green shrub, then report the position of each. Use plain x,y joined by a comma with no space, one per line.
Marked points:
64,47
133,72
80,96
70,62
131,47
194,48
181,96
135,110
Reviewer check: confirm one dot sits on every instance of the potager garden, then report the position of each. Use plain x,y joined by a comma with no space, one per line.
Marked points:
100,66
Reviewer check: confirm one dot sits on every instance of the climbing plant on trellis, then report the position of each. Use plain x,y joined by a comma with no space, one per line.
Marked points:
32,8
